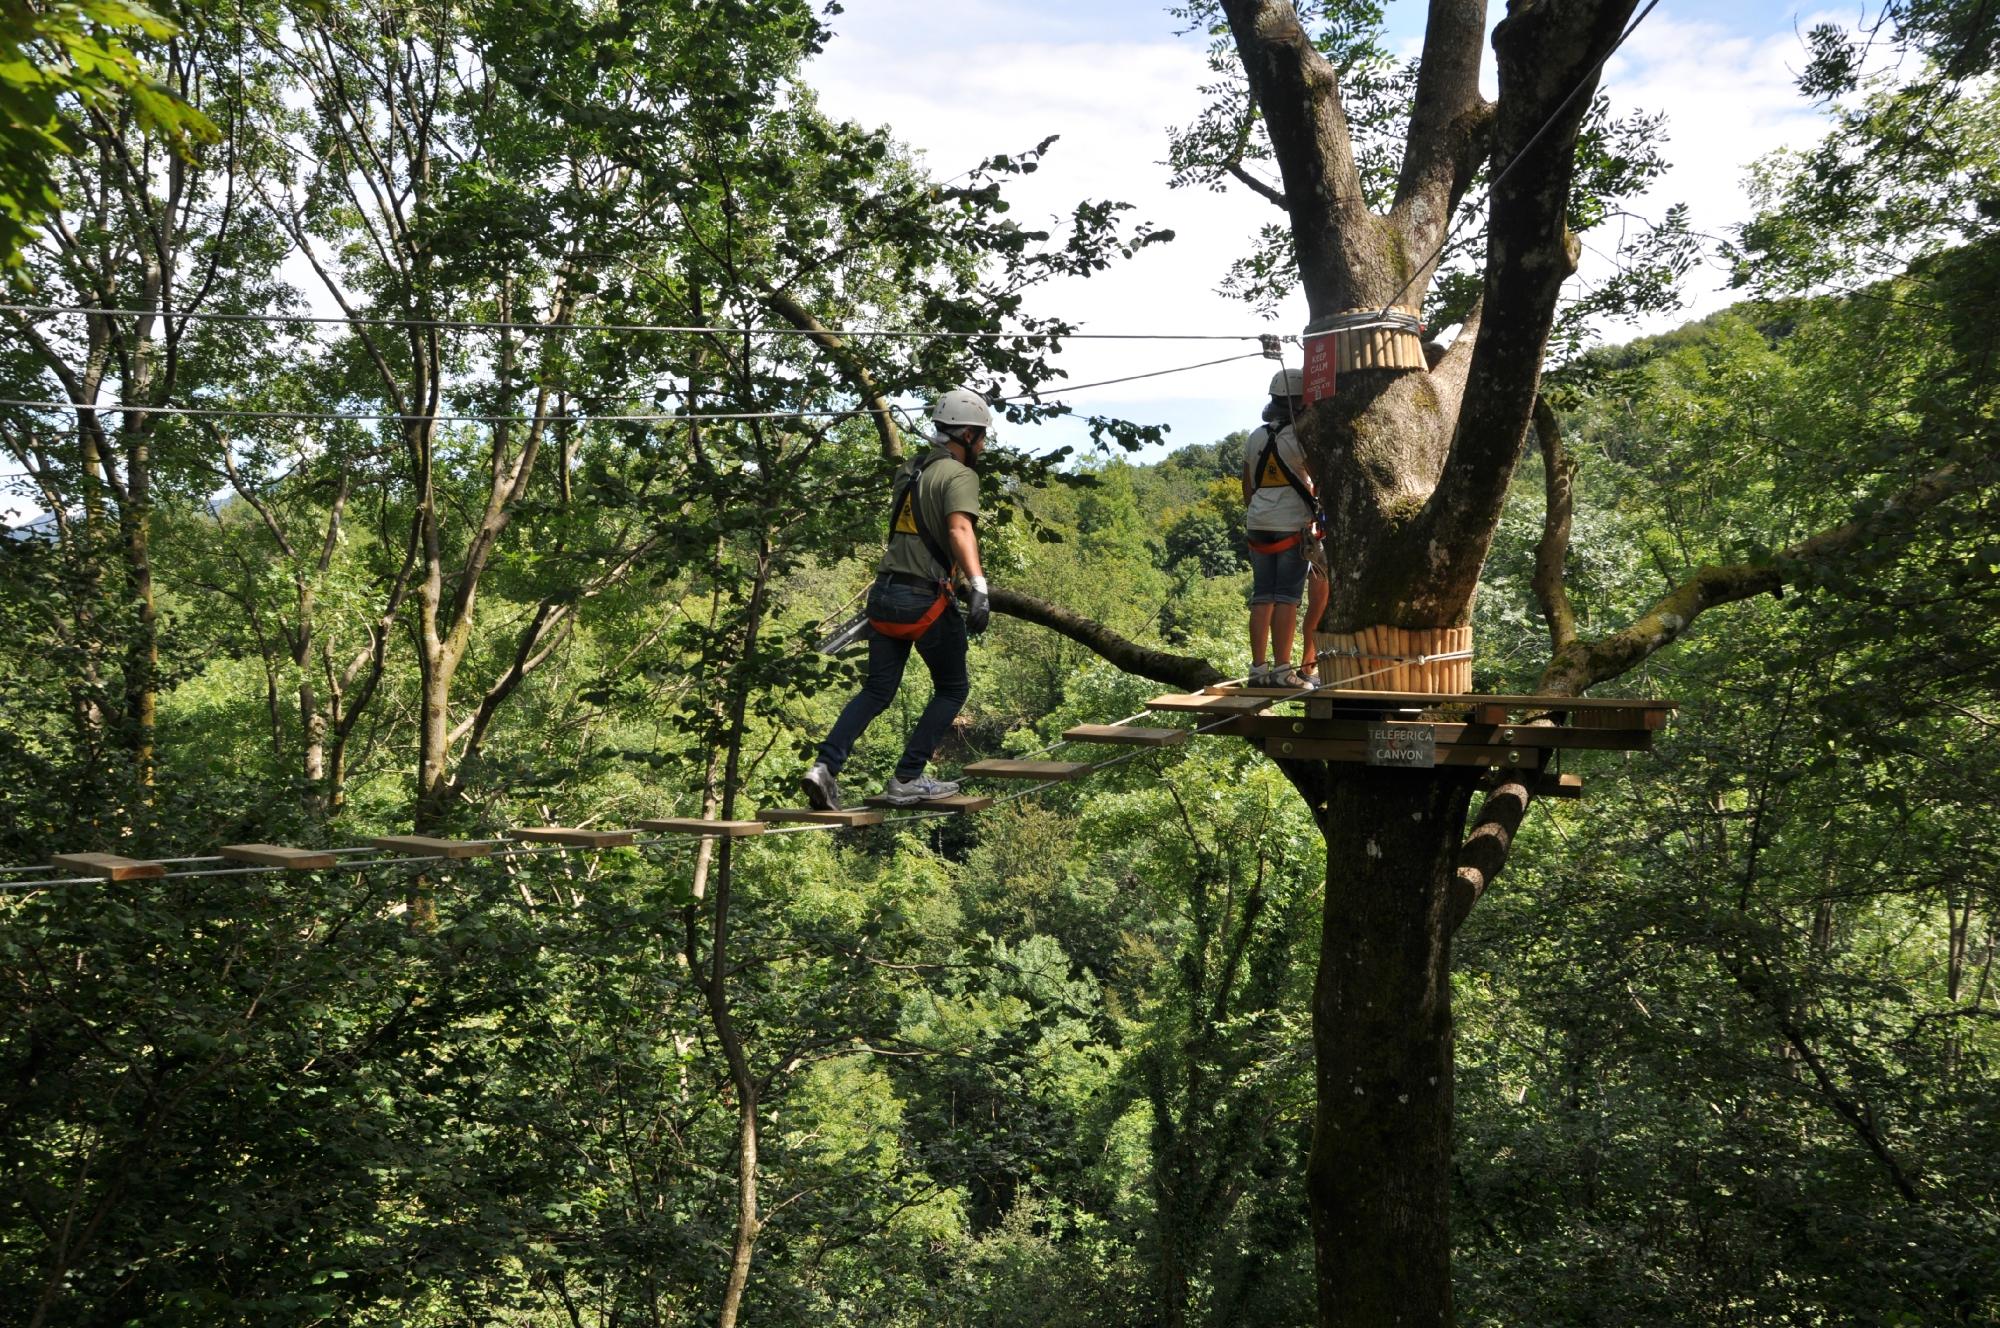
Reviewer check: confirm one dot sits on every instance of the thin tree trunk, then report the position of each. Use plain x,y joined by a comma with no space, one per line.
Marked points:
748,1224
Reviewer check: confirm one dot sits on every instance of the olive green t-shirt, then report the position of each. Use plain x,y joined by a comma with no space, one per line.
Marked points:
945,487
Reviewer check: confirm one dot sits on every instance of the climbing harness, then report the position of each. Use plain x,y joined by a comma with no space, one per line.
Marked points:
906,518
1270,472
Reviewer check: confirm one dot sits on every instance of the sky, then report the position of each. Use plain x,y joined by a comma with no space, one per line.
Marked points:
959,80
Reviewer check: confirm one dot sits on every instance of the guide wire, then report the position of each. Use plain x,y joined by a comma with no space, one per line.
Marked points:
648,417
480,325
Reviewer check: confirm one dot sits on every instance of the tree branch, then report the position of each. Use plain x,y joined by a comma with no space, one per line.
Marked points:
851,365
1276,196
1450,126
1487,846
1298,93
1548,55
1558,471
1584,664
1181,670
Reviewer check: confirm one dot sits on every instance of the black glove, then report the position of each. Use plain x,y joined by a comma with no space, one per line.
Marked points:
977,608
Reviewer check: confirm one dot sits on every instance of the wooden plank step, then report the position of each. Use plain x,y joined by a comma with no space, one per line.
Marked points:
955,802
1260,692
1546,785
424,846
811,817
109,866
562,834
694,825
1126,735
1203,704
1561,786
1003,769
277,855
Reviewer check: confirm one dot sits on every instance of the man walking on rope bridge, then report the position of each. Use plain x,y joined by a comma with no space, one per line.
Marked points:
932,511
1279,511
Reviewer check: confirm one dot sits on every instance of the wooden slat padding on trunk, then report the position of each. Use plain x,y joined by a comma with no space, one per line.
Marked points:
109,866
1203,704
954,802
694,825
811,817
1126,735
424,846
1001,769
562,834
277,855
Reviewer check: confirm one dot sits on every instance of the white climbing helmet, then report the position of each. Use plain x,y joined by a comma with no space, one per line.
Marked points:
960,407
1288,383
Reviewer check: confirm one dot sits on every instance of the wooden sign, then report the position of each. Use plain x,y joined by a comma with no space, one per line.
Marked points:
1412,746
1321,358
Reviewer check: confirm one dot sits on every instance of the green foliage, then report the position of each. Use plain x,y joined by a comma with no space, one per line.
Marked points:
60,64
1726,1028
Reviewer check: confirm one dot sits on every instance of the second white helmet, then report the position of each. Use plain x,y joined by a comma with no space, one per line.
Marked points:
960,407
1288,383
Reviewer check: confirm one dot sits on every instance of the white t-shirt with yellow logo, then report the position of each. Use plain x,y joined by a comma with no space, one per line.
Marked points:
1274,504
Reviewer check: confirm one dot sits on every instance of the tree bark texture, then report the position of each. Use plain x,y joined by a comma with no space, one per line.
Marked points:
1412,468
1379,1172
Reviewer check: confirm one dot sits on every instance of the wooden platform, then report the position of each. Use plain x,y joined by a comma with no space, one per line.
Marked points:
562,834
277,855
955,802
1050,770
1455,734
695,825
1488,708
423,846
109,866
1217,703
1423,730
811,817
1126,735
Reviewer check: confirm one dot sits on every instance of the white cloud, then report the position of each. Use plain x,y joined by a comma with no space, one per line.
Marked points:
1111,102
975,78
1730,99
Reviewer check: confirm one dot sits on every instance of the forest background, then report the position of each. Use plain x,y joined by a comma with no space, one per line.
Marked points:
1725,1031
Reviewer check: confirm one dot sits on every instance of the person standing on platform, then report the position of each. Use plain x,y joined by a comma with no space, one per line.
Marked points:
1279,509
933,511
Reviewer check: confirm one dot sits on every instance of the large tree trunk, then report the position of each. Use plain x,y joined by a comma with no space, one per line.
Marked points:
1379,1175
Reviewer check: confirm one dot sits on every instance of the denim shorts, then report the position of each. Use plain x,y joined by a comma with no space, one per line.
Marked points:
1277,578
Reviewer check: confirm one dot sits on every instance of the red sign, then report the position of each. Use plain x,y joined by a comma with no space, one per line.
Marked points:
1320,360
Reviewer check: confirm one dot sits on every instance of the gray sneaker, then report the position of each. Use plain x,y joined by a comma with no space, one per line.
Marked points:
907,793
822,791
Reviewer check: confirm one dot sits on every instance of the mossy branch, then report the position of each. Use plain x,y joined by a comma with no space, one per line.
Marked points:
1583,664
1187,671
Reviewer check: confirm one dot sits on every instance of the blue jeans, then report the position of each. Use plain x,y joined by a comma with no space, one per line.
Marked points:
943,651
1277,578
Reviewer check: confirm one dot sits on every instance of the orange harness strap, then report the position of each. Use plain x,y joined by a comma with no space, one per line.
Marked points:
1274,546
910,631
